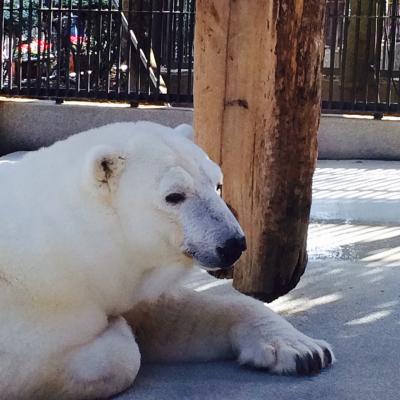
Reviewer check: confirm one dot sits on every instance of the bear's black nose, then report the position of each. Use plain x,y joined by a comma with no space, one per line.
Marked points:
231,251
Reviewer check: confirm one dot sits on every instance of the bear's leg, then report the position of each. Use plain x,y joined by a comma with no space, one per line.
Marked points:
103,367
194,326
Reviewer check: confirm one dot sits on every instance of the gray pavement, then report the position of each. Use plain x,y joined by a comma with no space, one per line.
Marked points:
349,295
353,305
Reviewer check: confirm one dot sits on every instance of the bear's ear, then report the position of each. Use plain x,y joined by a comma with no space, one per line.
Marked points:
185,130
104,166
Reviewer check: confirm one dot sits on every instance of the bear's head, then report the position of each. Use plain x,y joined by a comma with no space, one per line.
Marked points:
165,192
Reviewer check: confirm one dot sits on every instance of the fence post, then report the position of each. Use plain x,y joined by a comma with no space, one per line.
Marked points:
1,42
359,84
257,105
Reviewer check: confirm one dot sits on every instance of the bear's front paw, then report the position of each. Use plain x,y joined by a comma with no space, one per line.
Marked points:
289,353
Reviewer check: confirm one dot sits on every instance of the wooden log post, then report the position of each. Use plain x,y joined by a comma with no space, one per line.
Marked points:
257,107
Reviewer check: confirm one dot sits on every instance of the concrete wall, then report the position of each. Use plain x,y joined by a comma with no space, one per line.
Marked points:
351,137
28,125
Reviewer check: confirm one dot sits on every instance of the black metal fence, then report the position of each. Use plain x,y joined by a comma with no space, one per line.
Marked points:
362,56
142,50
103,49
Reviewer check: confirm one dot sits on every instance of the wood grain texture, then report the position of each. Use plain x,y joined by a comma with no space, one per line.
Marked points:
210,52
267,145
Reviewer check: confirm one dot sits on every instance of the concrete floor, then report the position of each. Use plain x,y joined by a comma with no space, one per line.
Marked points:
349,295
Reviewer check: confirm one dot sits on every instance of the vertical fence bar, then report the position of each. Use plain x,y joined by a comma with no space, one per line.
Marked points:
392,39
48,45
367,67
98,47
333,50
171,45
140,30
29,38
186,23
39,51
109,40
119,53
125,39
190,44
378,49
1,44
59,48
180,50
174,43
385,43
129,49
79,25
11,47
340,33
355,65
141,50
148,48
19,51
88,26
159,20
346,19
68,49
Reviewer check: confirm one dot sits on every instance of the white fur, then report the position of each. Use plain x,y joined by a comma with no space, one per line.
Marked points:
186,131
87,236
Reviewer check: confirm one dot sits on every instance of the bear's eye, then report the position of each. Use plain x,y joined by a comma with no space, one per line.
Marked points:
219,187
175,198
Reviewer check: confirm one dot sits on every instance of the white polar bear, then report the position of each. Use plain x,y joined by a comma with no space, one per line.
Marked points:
96,231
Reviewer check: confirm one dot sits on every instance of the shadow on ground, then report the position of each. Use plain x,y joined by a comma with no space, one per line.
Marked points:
351,304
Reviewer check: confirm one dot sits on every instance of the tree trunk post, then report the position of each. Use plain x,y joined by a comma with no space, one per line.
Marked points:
257,107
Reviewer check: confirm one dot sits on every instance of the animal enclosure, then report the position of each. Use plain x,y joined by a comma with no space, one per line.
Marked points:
97,49
142,50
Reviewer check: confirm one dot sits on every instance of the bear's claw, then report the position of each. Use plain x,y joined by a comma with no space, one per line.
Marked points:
291,353
328,358
310,364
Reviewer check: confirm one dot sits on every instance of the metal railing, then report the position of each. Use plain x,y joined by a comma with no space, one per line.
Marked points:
142,50
362,56
130,50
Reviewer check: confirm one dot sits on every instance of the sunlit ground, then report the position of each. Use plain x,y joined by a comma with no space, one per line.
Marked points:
361,191
361,180
375,246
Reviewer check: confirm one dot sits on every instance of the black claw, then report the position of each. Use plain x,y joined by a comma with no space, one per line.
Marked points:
317,363
301,365
309,364
327,357
312,365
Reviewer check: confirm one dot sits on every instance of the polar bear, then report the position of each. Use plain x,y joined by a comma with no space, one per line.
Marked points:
97,232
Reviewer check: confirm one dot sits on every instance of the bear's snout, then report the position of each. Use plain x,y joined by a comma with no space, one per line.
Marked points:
231,251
